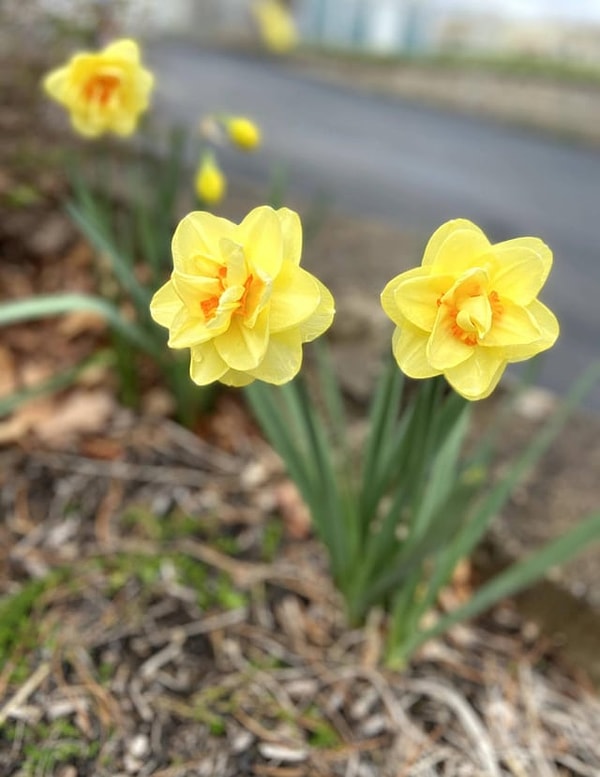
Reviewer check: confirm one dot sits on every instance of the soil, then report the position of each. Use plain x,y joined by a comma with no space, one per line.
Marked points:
165,608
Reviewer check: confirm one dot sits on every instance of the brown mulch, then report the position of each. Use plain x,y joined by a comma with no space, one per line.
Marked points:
129,665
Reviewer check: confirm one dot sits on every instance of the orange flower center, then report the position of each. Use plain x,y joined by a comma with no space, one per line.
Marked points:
471,312
101,87
250,296
209,306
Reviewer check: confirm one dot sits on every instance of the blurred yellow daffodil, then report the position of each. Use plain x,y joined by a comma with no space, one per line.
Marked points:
243,132
276,25
471,308
104,91
239,299
210,182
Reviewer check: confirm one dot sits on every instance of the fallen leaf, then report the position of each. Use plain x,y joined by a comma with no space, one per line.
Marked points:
81,412
8,382
295,514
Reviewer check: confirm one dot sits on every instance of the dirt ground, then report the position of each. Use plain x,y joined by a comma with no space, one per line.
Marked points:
165,610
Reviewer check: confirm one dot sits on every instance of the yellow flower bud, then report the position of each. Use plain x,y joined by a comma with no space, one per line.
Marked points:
210,183
243,133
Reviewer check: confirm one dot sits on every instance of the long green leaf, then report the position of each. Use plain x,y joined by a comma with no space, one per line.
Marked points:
515,578
276,428
491,504
332,394
54,383
383,425
120,265
443,475
327,501
35,308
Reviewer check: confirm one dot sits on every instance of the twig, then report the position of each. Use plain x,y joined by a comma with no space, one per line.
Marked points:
25,691
123,470
467,716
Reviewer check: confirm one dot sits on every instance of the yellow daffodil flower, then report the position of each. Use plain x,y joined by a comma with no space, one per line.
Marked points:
238,298
276,25
103,92
210,183
243,133
471,308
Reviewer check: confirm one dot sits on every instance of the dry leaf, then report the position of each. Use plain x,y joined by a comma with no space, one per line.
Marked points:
295,514
8,382
81,412
81,322
24,420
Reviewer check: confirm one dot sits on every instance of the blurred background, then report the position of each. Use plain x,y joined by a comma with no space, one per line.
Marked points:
396,115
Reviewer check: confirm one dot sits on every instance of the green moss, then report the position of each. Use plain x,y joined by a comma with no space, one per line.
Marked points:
217,727
21,196
46,746
271,540
15,612
227,595
322,734
228,545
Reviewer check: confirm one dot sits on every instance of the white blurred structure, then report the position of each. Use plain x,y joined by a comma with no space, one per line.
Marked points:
551,28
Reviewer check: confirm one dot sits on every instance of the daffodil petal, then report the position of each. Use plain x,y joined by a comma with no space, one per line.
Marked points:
242,348
454,246
206,366
515,325
444,348
193,289
291,231
236,378
262,237
86,127
478,376
125,49
417,299
54,83
549,332
186,331
124,125
165,304
199,233
282,360
388,295
321,319
295,297
409,348
522,267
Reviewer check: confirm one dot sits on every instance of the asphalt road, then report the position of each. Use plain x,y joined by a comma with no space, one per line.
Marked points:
415,167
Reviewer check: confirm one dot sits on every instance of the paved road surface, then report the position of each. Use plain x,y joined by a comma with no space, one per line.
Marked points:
416,167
